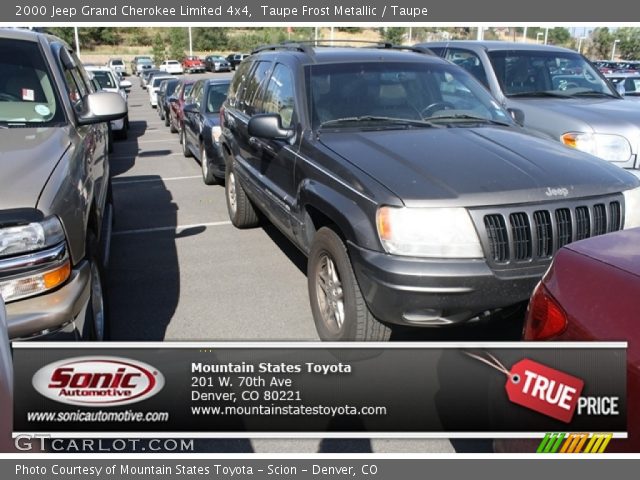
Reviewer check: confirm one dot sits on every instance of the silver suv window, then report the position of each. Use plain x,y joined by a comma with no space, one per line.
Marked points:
27,93
527,72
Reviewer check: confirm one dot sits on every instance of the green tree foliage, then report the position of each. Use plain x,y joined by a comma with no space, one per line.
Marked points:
210,39
178,42
629,46
140,36
158,49
601,43
559,36
65,33
393,35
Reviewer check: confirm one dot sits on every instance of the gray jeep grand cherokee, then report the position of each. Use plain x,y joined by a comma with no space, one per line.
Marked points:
415,196
54,188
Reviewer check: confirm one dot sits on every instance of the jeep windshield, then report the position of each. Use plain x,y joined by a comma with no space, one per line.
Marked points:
535,73
396,95
27,95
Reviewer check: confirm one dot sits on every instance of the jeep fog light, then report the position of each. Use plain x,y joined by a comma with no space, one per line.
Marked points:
428,232
613,148
632,208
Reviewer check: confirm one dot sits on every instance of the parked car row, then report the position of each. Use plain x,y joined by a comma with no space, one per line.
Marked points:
609,67
190,106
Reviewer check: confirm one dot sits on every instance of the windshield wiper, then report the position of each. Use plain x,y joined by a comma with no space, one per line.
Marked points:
540,93
377,119
592,93
467,117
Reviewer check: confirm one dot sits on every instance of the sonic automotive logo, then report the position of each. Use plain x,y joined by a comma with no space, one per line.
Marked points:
98,381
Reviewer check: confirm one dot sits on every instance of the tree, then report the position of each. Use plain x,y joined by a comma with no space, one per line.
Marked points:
158,49
65,33
559,36
629,46
209,39
602,42
177,42
393,35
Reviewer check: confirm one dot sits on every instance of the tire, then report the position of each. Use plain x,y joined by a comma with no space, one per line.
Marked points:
172,129
185,148
339,310
207,174
167,120
96,318
241,211
124,133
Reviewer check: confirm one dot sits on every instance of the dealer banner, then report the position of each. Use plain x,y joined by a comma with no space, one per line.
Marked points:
324,390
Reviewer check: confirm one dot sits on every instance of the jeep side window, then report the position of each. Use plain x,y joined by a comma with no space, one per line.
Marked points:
249,103
235,89
279,95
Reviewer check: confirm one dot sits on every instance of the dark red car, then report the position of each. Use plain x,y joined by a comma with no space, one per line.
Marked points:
591,292
176,103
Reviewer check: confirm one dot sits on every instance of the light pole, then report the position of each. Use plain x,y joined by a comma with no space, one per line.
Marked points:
613,50
538,35
580,44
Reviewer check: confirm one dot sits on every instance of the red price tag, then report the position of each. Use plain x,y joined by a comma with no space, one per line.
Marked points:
544,389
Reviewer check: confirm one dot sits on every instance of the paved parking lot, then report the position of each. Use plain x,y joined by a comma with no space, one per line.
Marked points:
180,271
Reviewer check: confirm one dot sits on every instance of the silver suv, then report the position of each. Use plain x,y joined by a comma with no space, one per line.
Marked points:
55,207
560,93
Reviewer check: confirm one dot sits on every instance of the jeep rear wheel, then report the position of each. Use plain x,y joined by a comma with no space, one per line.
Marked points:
241,210
339,310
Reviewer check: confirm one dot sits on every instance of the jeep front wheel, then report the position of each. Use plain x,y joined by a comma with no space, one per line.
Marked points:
241,211
339,310
96,318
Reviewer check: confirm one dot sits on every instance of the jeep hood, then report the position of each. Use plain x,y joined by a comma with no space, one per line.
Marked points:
28,156
465,166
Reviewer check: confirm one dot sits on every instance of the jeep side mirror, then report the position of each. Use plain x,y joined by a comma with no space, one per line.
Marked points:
269,125
517,115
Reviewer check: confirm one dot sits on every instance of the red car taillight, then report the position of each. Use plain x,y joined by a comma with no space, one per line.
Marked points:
545,317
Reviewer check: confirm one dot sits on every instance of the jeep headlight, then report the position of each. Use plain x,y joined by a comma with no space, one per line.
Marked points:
30,237
632,208
33,259
613,148
428,232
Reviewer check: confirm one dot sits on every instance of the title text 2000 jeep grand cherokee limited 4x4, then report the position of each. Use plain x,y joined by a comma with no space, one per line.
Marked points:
54,187
415,196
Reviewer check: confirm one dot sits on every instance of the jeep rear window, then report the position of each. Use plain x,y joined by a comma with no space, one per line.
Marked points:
397,90
28,96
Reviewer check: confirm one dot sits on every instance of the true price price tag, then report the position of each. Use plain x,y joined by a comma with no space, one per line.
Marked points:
539,387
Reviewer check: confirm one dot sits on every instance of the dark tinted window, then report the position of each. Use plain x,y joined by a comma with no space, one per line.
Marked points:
279,95
236,84
215,97
253,87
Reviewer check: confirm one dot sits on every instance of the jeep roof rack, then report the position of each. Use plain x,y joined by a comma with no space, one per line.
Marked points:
306,46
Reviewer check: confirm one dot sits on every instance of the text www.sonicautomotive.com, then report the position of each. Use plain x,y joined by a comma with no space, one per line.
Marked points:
98,416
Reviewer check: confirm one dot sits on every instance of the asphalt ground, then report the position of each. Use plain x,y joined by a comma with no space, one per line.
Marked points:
180,271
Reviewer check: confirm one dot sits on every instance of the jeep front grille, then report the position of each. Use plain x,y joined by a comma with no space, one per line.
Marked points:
529,234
